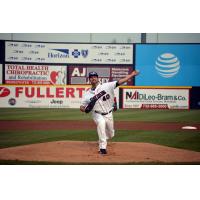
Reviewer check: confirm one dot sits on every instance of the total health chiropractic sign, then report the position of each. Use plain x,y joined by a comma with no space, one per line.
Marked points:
35,74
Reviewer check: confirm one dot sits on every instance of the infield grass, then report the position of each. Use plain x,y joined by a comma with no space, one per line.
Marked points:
178,139
192,116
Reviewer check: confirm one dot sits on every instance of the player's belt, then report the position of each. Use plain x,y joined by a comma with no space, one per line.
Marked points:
102,113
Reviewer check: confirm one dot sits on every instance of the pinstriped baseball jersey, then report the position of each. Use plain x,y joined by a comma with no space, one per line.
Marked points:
105,103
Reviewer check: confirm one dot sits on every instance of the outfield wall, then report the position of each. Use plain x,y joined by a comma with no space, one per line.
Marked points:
42,63
69,96
33,96
37,66
69,63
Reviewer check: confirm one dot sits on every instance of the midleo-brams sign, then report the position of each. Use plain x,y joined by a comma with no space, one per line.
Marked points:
156,98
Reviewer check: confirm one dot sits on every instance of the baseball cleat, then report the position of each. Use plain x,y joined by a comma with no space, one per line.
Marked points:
102,151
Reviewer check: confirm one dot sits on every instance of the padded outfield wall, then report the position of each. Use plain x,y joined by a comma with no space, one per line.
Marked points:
170,66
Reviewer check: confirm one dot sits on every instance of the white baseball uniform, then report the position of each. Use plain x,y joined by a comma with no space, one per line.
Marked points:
102,111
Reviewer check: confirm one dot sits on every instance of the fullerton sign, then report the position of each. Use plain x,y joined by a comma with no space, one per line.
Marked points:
46,92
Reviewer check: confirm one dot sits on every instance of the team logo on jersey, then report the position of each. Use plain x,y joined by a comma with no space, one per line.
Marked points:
98,96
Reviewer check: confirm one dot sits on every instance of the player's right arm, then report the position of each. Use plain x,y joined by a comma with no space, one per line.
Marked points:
131,75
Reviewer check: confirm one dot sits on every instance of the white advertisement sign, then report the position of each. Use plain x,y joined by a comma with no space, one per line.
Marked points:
156,98
35,74
1,73
69,53
42,96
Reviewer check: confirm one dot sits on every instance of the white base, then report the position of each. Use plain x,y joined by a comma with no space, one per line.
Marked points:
189,127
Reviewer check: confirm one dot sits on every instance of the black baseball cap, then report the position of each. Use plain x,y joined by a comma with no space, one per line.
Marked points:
93,74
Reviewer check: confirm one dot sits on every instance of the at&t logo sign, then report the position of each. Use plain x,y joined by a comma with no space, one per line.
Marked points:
167,65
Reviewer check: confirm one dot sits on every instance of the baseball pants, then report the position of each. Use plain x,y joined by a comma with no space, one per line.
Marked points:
105,128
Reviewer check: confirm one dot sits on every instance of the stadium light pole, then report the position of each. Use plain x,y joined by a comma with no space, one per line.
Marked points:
143,38
90,37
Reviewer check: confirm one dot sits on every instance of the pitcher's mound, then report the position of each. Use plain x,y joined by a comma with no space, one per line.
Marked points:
87,152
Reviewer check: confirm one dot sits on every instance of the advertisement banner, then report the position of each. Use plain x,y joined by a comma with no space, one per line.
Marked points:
35,74
156,98
78,74
43,96
34,52
168,64
1,73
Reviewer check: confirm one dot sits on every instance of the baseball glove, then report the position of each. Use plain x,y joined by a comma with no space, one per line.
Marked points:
115,107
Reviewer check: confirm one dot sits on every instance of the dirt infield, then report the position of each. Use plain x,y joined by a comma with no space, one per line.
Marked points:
89,125
86,153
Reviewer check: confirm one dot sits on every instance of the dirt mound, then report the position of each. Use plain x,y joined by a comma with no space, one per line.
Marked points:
86,152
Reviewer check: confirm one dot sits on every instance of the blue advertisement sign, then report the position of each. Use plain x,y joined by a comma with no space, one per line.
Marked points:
168,64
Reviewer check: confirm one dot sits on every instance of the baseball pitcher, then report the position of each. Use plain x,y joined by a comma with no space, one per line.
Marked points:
100,100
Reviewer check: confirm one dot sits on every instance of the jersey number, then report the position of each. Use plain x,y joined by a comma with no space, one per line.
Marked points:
106,97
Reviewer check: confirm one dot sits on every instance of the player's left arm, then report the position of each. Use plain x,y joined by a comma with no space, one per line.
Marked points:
124,80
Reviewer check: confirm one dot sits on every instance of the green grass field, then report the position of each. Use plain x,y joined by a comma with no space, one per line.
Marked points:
185,140
120,115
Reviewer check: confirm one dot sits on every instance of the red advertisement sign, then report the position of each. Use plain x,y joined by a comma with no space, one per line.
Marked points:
35,74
